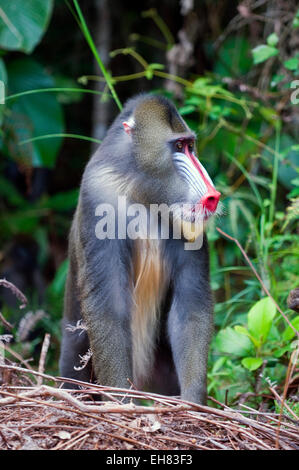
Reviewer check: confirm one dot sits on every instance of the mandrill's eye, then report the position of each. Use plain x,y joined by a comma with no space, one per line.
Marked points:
191,146
179,145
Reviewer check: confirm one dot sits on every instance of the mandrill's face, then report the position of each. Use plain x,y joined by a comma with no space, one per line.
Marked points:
168,156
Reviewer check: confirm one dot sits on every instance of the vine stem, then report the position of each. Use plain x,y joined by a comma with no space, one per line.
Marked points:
55,90
61,135
93,48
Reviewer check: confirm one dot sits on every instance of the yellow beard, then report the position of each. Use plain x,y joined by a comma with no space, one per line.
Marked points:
191,230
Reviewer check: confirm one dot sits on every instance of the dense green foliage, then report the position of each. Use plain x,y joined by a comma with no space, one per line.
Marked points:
244,109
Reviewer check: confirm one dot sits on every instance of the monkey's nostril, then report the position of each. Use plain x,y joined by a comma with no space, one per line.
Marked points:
210,201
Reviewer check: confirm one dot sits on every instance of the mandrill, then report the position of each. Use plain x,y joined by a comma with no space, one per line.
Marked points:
144,297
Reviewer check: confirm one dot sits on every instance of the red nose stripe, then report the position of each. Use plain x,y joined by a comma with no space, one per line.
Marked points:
211,198
197,166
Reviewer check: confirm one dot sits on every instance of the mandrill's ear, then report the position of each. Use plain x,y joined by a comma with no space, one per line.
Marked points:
129,125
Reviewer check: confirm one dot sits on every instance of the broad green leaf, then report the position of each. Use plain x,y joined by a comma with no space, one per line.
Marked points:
22,221
32,115
263,52
22,24
252,363
272,40
281,351
231,342
274,335
244,331
260,318
292,64
62,201
288,332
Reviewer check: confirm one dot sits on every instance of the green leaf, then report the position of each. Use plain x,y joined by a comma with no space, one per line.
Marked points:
295,23
244,331
288,333
188,109
281,351
32,115
218,364
19,222
292,64
260,318
62,201
22,24
57,285
155,66
202,87
195,100
269,114
149,73
252,363
293,194
231,342
263,52
272,40
276,79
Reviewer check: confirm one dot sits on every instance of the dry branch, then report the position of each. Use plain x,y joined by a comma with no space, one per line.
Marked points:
70,420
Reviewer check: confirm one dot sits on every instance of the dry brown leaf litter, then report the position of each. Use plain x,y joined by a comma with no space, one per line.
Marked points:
43,417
